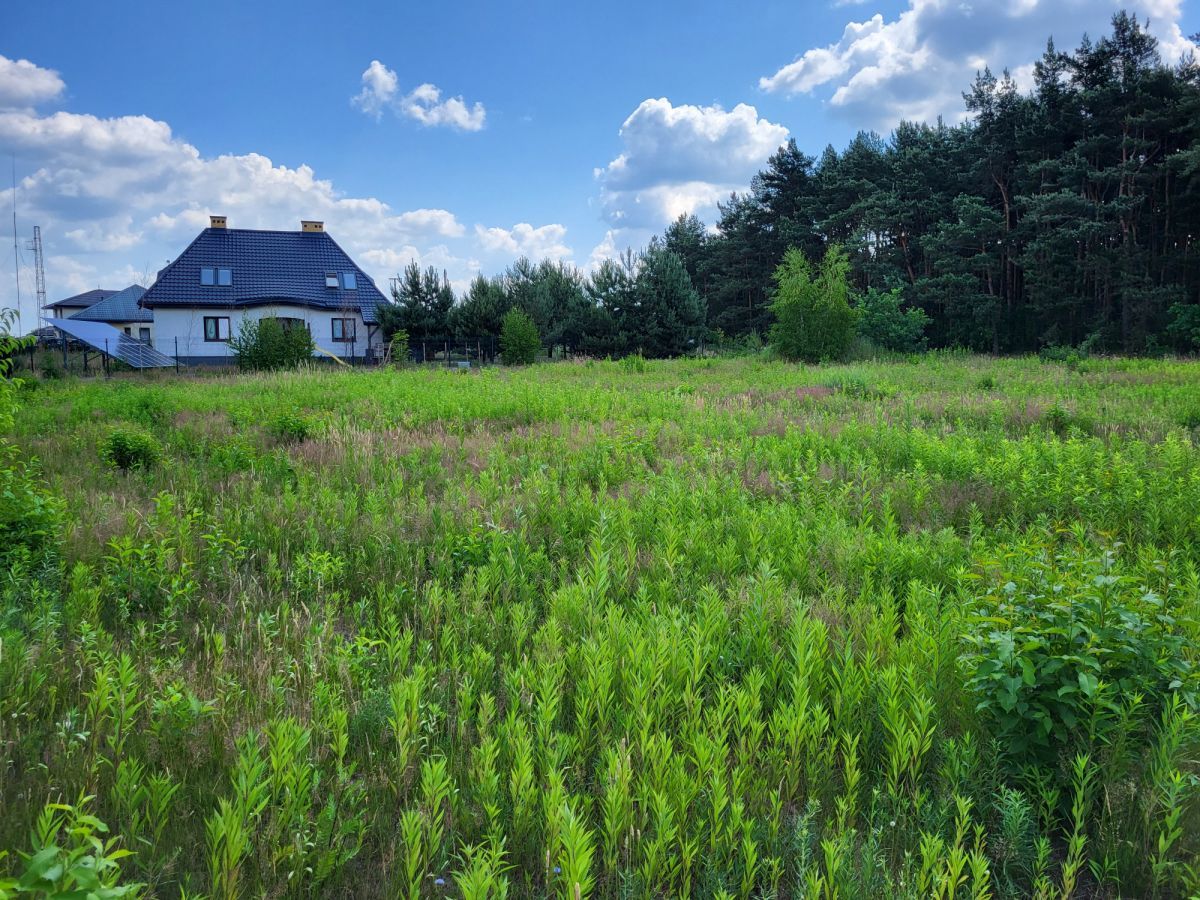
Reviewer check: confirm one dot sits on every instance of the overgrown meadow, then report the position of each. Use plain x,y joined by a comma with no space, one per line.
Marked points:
715,628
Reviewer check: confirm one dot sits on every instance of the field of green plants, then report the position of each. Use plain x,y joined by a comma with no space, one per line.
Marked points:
712,628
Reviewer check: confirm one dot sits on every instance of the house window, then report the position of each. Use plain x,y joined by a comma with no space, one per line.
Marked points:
220,277
331,279
343,330
128,332
349,281
144,335
287,323
216,328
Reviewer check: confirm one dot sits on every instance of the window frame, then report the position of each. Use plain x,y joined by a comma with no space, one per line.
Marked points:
349,281
144,334
210,273
217,330
224,277
342,338
332,281
287,323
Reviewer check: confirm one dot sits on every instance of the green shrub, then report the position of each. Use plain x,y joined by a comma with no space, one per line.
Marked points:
50,366
633,363
130,448
1184,327
1072,357
30,517
519,341
1052,649
71,858
814,319
399,348
1065,422
883,321
232,455
265,344
292,428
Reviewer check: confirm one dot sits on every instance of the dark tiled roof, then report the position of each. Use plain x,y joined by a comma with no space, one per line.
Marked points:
87,298
268,267
120,307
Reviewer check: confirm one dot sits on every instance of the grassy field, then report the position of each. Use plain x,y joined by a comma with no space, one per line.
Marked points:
620,629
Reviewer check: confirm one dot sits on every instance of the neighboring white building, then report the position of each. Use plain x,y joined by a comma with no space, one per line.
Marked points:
227,275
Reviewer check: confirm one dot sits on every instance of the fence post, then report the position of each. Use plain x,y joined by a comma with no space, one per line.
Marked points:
176,354
103,360
64,350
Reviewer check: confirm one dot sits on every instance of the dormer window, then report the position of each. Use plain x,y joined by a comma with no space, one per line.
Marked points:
349,281
220,277
331,279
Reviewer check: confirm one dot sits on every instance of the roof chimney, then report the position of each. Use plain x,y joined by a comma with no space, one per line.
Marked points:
216,221
309,225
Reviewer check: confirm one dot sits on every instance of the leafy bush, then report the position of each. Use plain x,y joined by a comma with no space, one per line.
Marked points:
265,344
1184,327
85,865
292,428
749,344
519,341
232,455
50,366
633,363
1065,422
30,517
1071,357
130,448
399,348
1050,651
883,321
814,319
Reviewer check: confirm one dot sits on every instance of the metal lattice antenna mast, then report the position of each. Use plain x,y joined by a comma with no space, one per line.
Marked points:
16,249
39,272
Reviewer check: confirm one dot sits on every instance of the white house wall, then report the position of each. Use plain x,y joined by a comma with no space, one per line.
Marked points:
135,328
186,325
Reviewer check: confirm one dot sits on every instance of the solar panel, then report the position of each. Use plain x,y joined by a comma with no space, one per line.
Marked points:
115,343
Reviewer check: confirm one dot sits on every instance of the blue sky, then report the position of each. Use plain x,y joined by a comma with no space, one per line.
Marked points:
460,135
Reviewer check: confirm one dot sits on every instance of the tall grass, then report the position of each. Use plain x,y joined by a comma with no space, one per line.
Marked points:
694,628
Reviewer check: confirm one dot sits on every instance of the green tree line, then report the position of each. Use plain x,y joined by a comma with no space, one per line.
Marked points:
1066,215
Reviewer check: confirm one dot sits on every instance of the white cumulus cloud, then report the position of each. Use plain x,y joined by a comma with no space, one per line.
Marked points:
917,65
682,159
24,84
523,239
424,103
